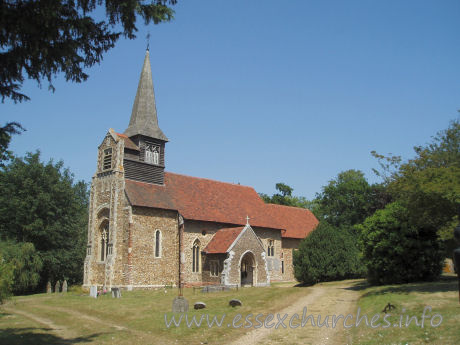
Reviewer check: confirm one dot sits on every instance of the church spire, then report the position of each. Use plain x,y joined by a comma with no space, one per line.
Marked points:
144,119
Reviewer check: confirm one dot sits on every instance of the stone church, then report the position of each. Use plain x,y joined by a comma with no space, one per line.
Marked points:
149,228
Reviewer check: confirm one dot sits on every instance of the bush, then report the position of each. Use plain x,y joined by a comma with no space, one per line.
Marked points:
6,279
396,251
327,254
26,265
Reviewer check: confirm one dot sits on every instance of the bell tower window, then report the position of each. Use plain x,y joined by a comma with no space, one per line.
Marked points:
107,162
152,154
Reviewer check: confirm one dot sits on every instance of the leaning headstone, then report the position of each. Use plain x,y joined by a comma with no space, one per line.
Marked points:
93,291
57,287
199,305
64,286
116,292
235,302
180,305
48,287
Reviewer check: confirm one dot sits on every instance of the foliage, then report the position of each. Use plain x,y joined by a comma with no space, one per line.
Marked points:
397,251
26,263
5,137
349,199
327,254
41,204
6,278
285,197
40,38
429,184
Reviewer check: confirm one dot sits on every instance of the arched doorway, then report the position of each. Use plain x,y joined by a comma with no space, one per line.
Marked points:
247,269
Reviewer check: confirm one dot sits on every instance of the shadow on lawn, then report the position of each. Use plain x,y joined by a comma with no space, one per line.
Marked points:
444,284
26,336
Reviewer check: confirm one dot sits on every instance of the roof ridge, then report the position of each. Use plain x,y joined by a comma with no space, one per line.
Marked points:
210,179
291,207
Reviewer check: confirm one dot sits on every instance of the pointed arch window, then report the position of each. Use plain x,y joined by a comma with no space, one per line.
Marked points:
158,244
271,248
196,256
104,240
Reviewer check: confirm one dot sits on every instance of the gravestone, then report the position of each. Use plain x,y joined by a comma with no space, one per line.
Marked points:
93,291
180,305
116,292
235,303
64,286
48,287
57,287
199,305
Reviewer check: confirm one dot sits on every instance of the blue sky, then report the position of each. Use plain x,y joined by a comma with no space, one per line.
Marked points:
260,92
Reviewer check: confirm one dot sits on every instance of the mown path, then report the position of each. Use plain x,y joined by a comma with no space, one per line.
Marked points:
338,298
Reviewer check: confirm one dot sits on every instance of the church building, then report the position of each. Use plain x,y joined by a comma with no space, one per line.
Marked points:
150,228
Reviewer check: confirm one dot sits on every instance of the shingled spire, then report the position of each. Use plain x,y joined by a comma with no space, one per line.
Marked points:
144,119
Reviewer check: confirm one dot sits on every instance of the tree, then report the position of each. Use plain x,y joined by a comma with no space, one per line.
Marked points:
349,199
6,279
26,263
327,254
396,251
41,38
41,204
285,197
429,184
5,138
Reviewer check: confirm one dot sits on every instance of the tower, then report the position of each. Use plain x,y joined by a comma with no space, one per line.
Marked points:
145,161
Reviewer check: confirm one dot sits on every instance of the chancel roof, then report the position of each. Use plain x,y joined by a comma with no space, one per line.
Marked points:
208,200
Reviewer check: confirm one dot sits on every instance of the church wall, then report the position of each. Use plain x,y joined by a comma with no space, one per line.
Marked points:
203,232
274,262
288,246
148,270
206,277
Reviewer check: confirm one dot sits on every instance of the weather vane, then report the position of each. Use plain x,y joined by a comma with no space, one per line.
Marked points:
148,40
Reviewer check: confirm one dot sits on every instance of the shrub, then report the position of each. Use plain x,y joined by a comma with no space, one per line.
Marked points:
6,279
26,264
396,251
327,254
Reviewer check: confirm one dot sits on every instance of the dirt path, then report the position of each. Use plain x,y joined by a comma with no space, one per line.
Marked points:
322,300
61,331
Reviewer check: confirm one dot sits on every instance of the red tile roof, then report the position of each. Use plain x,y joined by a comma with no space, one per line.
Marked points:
222,240
214,201
128,142
298,222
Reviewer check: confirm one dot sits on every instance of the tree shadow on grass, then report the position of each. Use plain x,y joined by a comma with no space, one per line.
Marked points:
444,284
33,335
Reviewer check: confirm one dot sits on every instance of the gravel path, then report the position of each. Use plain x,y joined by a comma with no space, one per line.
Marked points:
323,299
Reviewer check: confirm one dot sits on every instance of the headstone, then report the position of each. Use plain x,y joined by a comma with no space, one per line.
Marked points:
57,287
93,291
48,287
180,305
64,286
199,305
116,292
235,303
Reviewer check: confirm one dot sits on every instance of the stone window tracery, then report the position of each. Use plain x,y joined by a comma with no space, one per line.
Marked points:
104,241
196,256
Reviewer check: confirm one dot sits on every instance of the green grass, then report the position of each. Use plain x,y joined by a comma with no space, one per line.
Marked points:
410,300
87,320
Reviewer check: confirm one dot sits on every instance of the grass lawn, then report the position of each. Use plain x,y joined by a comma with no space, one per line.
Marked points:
442,296
136,318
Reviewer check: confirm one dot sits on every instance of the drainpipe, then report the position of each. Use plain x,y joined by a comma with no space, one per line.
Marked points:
181,253
130,248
